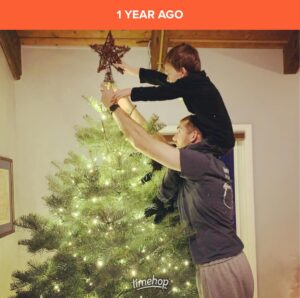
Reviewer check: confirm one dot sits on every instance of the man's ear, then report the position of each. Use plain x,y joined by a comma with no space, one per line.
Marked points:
183,71
194,136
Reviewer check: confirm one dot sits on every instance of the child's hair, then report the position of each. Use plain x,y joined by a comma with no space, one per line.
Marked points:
184,55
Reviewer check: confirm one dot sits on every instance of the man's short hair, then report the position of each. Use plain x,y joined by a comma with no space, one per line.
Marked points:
184,55
193,121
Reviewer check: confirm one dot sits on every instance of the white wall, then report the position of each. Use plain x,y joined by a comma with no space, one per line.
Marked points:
8,247
258,93
49,104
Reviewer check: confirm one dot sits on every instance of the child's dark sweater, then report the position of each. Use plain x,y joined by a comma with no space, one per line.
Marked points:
200,96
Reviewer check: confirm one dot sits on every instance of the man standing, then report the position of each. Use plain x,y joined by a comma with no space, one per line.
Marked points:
204,202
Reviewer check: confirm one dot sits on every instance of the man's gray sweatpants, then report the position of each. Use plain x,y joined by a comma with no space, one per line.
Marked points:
225,278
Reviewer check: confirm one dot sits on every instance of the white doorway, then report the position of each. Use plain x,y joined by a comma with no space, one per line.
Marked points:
244,194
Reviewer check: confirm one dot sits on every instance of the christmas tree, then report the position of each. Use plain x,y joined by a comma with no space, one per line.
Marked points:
96,241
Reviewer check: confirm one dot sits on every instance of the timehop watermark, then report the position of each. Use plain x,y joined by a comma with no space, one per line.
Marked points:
160,283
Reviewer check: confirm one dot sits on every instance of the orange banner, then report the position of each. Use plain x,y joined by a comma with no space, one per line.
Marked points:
154,14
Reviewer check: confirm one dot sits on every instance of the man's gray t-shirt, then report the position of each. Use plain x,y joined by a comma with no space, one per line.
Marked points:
205,203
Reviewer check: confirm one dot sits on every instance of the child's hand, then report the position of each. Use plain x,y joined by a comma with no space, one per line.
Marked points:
122,93
128,69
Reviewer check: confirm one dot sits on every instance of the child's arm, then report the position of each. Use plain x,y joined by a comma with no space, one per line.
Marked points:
152,77
134,71
149,76
163,91
166,92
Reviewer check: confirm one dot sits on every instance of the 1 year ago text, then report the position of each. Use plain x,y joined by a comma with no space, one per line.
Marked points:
150,14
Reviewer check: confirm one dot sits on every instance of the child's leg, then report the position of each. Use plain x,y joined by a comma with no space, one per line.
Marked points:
214,149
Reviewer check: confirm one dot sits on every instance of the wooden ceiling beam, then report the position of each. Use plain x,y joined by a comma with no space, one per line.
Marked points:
261,39
234,35
230,39
230,44
291,54
135,38
92,34
158,48
61,41
11,46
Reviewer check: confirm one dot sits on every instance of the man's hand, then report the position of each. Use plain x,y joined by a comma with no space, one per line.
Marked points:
122,93
107,96
128,69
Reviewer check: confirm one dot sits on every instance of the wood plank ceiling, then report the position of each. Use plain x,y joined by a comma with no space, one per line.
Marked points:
159,41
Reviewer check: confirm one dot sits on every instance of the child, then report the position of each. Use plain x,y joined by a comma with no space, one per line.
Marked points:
185,79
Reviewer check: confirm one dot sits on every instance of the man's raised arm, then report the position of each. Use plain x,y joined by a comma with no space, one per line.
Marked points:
140,139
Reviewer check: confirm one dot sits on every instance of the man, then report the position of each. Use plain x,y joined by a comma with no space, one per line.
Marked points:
204,203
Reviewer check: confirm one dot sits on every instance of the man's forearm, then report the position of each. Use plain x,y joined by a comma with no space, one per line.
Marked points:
131,129
134,114
131,110
145,143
